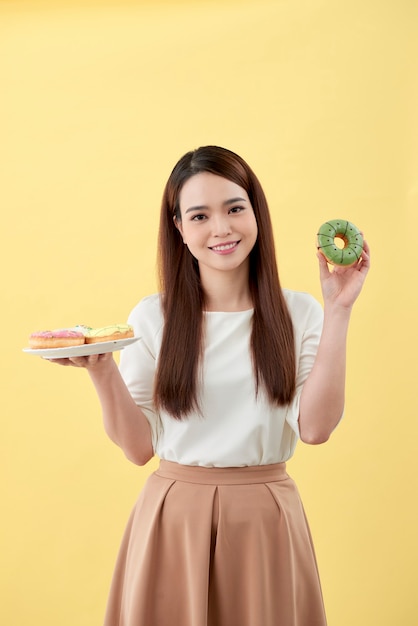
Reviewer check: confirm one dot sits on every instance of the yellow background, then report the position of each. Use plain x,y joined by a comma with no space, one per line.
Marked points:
98,101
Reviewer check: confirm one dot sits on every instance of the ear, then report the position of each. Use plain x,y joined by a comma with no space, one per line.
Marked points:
178,224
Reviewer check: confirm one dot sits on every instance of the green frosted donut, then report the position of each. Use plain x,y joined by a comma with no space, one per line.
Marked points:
351,236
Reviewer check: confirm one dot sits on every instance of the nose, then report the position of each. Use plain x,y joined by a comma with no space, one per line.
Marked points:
221,226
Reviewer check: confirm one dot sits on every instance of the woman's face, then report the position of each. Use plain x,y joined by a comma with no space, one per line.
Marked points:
217,224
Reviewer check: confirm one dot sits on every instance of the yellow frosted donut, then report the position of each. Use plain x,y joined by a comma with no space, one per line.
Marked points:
106,333
350,235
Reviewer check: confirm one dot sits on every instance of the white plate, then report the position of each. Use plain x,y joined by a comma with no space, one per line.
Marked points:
84,350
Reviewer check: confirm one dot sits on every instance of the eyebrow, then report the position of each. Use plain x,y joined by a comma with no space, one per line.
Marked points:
204,206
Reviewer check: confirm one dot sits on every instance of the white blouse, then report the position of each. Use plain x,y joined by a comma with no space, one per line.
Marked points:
237,428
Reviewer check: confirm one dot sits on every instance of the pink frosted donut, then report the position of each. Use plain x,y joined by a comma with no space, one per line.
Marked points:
60,338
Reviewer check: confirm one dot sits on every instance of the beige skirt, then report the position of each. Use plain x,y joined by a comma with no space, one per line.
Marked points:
217,547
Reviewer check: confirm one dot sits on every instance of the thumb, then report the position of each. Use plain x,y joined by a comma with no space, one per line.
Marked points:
324,270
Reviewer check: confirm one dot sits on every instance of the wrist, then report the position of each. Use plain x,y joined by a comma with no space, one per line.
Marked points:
337,310
101,367
336,320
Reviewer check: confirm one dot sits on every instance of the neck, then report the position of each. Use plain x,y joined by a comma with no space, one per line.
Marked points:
226,291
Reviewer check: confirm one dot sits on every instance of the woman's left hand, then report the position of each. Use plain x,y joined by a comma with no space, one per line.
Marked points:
342,285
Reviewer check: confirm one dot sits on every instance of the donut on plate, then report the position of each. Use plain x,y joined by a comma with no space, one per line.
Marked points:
59,338
113,332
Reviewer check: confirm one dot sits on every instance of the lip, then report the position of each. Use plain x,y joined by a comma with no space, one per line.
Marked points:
225,248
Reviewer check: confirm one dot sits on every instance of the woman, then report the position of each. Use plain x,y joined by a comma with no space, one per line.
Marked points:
231,370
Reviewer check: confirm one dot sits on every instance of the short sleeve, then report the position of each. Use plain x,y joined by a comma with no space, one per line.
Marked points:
138,360
307,315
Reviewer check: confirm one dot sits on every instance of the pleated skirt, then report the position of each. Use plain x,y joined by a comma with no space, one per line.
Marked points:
217,547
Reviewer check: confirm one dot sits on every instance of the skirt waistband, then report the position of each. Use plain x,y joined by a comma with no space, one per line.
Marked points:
222,475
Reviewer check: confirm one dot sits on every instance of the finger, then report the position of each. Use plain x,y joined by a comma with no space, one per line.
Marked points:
69,361
366,249
88,361
79,361
93,360
324,270
364,262
65,361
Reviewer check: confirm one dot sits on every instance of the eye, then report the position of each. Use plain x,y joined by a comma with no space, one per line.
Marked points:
236,209
199,217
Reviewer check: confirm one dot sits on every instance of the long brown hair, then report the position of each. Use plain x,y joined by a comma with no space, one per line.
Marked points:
272,340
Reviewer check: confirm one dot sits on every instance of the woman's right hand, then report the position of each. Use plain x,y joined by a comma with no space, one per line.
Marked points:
92,362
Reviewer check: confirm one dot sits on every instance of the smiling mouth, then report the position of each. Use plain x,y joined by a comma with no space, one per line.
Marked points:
225,246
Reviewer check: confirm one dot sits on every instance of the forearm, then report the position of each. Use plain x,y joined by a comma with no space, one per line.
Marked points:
123,420
322,398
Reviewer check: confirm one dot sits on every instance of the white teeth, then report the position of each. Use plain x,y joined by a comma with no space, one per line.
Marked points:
227,246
